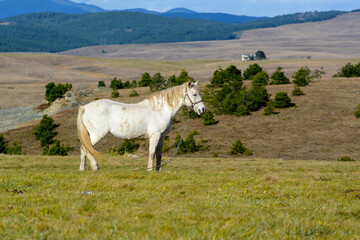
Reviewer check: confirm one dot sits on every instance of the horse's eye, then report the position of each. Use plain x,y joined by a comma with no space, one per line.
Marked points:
194,94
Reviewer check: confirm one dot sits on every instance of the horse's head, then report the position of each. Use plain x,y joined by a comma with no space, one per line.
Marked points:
193,98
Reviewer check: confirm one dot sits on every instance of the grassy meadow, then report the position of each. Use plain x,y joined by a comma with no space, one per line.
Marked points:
192,198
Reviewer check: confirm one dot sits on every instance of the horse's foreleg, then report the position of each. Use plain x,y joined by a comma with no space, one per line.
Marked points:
153,142
82,158
159,154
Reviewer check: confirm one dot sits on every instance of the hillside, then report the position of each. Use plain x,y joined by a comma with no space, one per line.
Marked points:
54,32
329,132
334,38
10,8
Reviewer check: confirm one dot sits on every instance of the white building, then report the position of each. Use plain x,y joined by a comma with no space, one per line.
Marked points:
247,57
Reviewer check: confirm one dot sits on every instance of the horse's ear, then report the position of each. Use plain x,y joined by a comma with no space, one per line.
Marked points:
196,83
190,84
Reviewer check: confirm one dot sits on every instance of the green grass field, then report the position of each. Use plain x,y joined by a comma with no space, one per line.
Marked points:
40,198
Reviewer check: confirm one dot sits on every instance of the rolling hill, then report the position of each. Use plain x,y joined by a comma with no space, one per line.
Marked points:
10,8
54,32
187,13
334,38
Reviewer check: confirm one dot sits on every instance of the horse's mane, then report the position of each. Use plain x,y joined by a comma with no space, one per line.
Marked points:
171,96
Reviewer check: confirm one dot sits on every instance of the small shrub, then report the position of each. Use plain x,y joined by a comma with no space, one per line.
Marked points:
357,112
133,84
251,71
14,149
133,93
166,146
282,100
208,118
257,97
115,94
242,110
116,84
54,92
349,70
158,83
101,84
238,148
260,79
127,146
230,76
302,77
145,80
192,114
278,77
189,144
44,132
346,159
182,78
297,91
3,144
318,73
57,149
270,109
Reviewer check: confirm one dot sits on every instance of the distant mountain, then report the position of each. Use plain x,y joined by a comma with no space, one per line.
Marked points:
142,10
216,17
180,10
190,14
10,8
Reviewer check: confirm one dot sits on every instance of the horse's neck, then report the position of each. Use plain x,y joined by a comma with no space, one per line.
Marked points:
177,108
180,104
172,109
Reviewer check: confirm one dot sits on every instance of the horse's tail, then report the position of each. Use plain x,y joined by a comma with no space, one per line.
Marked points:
84,135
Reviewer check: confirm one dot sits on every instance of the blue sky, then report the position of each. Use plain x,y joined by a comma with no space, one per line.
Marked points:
240,7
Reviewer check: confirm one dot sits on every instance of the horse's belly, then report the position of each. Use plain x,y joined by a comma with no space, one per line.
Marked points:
128,130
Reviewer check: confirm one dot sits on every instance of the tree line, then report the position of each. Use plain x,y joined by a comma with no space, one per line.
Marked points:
54,32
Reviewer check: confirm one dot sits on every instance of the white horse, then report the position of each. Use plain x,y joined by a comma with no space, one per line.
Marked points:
150,118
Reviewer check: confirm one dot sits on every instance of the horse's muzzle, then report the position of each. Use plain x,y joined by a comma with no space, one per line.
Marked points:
201,110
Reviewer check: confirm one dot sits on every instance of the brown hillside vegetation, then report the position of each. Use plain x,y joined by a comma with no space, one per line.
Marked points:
321,126
335,38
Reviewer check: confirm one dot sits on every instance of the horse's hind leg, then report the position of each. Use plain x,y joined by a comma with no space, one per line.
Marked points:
93,163
95,138
83,155
82,158
159,154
